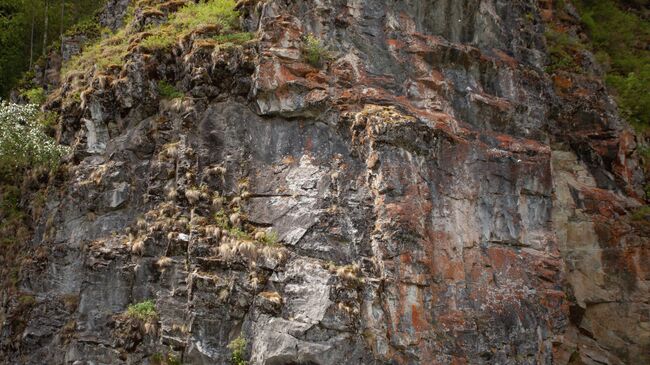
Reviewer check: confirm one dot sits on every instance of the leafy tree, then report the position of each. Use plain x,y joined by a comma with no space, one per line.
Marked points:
29,27
11,45
620,36
23,141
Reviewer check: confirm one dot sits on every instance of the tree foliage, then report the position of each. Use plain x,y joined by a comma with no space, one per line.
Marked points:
23,33
23,141
620,33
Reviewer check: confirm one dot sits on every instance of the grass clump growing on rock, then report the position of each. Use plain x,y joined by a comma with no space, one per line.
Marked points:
113,50
157,41
220,13
166,90
144,311
268,238
101,55
209,12
314,52
238,349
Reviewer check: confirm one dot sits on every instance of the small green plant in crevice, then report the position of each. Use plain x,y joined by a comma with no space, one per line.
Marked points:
268,238
642,213
35,95
238,350
223,221
166,90
160,359
27,299
314,52
144,311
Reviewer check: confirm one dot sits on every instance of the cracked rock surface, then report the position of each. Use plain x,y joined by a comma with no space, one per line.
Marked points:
429,203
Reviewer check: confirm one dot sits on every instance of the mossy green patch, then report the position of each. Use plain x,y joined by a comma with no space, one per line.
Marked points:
145,311
167,90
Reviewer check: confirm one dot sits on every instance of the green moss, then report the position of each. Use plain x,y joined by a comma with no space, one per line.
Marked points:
222,221
145,311
239,234
167,90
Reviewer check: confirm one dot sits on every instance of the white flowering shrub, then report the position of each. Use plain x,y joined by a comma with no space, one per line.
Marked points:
23,141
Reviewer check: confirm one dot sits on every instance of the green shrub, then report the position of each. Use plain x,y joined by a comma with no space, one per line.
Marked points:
23,141
238,349
167,90
619,38
35,95
144,311
89,27
314,52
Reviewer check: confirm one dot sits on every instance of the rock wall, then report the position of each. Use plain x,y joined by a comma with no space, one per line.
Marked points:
437,198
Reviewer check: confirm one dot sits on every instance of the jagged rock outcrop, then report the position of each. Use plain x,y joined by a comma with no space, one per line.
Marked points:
437,198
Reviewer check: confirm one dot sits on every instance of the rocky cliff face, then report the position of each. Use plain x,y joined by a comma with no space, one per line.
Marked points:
437,199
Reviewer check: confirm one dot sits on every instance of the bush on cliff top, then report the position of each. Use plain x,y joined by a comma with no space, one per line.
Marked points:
190,17
113,50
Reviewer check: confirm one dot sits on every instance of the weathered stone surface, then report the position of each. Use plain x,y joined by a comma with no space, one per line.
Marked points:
431,205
